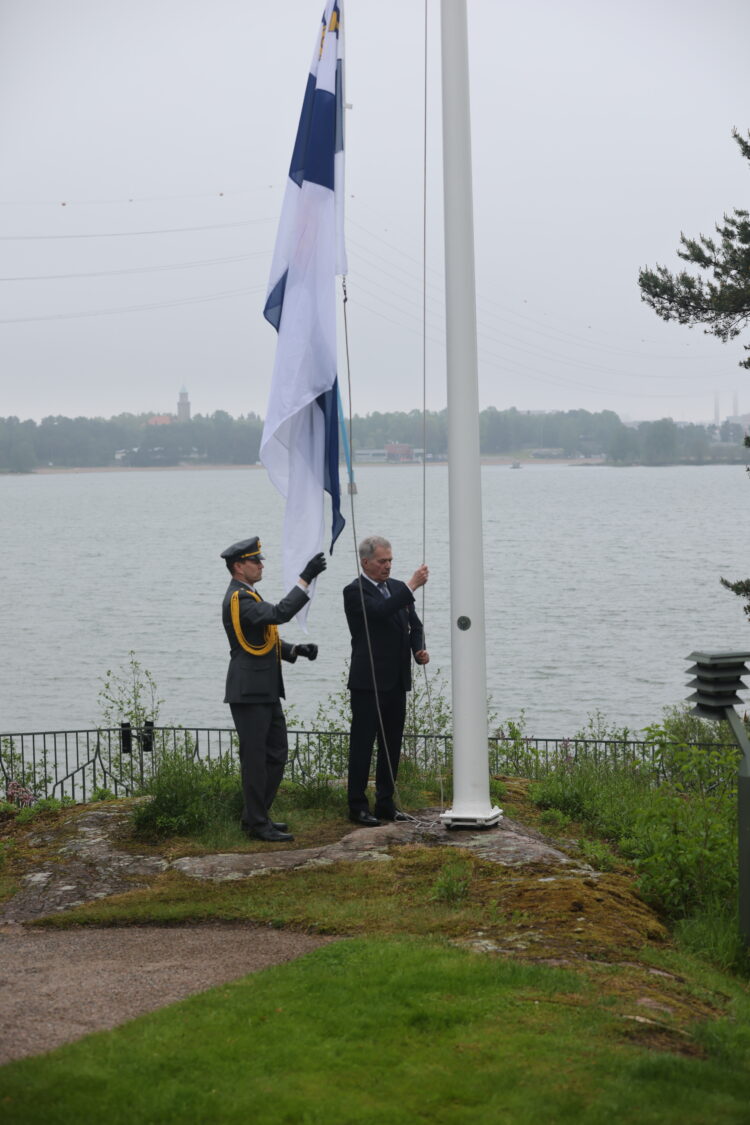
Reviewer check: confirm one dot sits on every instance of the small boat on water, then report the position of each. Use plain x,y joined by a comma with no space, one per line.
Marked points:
516,465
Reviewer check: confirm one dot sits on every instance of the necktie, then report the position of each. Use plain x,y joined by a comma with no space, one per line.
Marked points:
384,590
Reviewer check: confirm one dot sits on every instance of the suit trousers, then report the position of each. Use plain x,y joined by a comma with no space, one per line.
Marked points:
365,729
263,753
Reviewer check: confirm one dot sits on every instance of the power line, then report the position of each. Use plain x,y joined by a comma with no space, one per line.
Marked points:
133,233
141,269
133,198
136,308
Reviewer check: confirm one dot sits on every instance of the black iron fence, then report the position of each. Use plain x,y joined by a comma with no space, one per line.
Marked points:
80,764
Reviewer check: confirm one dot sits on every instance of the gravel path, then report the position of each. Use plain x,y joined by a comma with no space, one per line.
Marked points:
57,986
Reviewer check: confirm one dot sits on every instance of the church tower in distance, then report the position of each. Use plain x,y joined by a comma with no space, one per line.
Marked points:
183,407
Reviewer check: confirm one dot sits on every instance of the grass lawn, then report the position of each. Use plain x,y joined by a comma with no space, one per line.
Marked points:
583,1011
397,1030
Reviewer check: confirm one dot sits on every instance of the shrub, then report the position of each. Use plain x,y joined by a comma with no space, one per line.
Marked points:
685,851
681,834
189,796
605,797
498,789
694,754
129,694
514,752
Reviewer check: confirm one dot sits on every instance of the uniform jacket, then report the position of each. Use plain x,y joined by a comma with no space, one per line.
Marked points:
395,633
254,678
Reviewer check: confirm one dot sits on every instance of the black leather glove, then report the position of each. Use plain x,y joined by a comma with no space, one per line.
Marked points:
310,651
316,565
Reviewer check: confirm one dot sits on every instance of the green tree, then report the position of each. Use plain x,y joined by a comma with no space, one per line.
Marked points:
17,445
721,298
659,442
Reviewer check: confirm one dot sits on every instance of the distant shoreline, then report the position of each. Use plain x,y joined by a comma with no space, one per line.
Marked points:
51,470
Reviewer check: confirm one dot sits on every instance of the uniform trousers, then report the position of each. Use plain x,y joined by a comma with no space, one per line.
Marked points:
263,753
365,729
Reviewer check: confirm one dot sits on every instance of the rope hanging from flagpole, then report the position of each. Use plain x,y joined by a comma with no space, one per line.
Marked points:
349,446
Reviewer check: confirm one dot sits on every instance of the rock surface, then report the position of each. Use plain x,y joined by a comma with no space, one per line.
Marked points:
88,866
511,844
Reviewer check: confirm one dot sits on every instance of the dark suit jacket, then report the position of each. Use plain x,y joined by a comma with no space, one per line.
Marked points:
395,633
257,679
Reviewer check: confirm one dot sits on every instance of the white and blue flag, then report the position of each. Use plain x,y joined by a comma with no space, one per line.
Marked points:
300,446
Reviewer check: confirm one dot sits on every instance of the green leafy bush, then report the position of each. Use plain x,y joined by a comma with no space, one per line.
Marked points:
129,694
498,789
694,754
604,796
680,833
101,793
514,752
189,796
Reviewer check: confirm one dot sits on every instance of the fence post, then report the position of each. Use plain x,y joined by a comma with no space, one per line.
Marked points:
126,738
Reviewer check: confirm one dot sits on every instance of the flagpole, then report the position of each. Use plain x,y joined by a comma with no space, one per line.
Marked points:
471,796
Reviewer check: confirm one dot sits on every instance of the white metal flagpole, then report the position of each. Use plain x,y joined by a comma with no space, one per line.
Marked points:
471,786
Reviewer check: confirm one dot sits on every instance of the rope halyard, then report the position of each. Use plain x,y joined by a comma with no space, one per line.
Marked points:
345,298
431,717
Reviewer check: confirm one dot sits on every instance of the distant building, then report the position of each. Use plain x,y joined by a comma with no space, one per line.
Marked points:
161,420
397,451
183,407
370,455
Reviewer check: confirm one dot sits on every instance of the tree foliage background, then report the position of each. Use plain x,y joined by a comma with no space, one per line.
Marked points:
720,299
220,439
718,296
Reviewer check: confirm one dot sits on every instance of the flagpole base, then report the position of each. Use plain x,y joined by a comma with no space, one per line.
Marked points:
453,818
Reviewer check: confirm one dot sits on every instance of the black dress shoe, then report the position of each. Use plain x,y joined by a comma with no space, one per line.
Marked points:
277,824
364,819
271,834
395,815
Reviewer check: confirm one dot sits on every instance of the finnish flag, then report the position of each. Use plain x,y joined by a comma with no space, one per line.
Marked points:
300,446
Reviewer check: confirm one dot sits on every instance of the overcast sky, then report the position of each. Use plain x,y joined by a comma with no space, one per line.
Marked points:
144,149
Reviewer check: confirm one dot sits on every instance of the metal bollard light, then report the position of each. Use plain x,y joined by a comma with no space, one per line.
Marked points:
718,679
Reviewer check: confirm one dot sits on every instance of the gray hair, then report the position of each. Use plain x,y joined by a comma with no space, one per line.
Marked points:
369,546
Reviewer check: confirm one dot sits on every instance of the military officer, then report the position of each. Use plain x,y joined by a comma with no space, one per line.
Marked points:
255,686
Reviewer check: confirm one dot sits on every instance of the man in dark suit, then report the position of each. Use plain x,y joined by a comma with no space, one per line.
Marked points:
255,687
385,632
